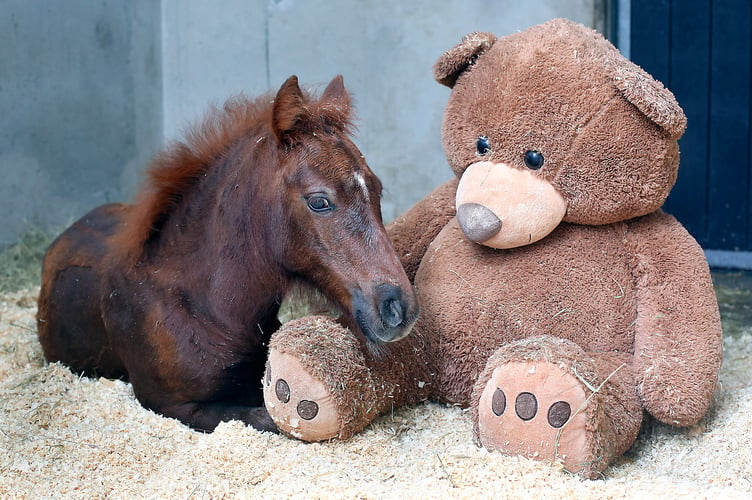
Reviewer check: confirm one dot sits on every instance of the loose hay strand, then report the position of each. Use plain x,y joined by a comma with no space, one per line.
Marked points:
593,392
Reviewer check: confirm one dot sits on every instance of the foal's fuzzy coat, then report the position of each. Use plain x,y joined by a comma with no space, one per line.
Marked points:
179,292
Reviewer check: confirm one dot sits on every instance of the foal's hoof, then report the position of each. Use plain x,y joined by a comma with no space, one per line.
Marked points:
299,403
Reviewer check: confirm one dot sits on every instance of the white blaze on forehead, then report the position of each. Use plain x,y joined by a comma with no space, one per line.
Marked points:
361,181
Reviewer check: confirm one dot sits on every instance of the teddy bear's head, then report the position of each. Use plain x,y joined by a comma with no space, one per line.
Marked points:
553,124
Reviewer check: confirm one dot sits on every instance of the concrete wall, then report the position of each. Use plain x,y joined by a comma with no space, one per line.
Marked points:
384,49
90,89
79,81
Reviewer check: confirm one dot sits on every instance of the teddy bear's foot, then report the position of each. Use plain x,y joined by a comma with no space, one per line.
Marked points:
546,399
299,403
317,385
537,410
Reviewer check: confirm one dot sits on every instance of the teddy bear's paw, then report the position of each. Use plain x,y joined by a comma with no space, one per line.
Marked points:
299,403
538,410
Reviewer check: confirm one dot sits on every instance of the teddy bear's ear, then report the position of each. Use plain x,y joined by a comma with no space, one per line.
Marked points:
649,96
454,61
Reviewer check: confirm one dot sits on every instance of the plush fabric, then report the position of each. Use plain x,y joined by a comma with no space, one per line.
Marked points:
558,302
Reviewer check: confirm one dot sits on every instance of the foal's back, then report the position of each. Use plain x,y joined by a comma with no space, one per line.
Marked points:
69,318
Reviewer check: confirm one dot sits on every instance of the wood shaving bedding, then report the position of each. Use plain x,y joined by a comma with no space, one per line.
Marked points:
62,436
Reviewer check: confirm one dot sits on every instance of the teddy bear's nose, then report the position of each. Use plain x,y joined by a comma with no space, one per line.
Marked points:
478,222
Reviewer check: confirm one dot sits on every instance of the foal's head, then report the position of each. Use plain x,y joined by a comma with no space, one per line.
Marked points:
327,205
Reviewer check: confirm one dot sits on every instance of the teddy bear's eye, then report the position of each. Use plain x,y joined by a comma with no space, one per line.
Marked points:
533,159
482,145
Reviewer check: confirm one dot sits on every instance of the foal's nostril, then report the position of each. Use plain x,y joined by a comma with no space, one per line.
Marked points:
392,312
392,308
478,222
387,315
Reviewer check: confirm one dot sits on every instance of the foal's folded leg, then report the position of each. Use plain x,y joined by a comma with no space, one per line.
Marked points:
324,382
205,416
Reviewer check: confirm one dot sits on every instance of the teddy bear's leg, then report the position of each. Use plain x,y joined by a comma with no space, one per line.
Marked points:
546,398
322,382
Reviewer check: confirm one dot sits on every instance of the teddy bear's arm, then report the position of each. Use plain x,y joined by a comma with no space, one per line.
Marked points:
678,336
413,231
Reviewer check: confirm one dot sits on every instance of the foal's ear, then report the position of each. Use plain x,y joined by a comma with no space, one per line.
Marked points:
336,93
288,107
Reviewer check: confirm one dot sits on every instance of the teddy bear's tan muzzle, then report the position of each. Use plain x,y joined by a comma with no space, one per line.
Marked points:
502,206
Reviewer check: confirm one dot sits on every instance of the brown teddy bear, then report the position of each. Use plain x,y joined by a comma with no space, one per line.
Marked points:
558,301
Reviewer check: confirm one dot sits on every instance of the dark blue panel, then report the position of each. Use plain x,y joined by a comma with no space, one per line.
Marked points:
748,248
701,50
649,36
690,82
729,132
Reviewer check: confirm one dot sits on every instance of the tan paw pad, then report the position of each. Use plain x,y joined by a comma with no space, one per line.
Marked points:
537,410
299,403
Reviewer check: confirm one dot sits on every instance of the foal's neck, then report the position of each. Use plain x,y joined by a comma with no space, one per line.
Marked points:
220,241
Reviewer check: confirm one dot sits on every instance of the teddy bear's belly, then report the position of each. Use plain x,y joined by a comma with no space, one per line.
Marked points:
574,284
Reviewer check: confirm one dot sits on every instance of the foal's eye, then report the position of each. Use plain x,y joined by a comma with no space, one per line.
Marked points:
533,160
482,146
319,204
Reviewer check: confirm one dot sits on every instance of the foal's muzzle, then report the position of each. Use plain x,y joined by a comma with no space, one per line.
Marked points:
388,315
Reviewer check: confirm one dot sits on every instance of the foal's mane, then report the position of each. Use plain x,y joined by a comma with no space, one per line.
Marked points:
180,166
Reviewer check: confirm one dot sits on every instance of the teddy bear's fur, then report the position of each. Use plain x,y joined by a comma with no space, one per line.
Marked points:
558,301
